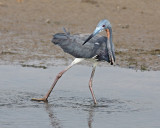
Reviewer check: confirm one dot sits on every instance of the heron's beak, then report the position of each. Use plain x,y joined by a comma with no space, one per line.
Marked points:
96,31
88,39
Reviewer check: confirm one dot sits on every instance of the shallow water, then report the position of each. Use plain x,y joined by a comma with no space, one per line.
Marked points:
126,98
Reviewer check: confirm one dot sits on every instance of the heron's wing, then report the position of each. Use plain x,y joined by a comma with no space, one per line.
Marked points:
72,44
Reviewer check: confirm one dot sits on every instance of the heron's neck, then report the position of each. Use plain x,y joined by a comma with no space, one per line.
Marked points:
110,45
110,37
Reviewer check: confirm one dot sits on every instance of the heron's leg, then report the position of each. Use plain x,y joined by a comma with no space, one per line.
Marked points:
76,60
90,82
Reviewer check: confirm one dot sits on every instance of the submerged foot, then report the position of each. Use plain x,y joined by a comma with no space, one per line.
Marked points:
95,102
40,99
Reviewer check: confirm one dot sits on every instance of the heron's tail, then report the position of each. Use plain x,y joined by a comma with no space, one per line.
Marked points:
60,38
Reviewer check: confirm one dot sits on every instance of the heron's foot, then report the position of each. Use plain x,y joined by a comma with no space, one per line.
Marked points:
95,102
40,99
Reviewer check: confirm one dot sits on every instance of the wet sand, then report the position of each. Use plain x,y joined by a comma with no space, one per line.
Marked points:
126,98
27,26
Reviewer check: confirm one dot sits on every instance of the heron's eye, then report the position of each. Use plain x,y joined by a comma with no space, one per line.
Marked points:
103,26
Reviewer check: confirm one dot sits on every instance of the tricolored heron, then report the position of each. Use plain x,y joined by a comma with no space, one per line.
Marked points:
96,48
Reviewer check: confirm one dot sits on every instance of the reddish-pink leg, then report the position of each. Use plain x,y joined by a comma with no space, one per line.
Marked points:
45,98
90,84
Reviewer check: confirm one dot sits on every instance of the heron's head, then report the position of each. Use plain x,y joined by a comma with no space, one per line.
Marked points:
102,25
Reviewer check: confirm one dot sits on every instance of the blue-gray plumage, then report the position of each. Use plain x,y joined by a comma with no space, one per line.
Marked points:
72,44
95,47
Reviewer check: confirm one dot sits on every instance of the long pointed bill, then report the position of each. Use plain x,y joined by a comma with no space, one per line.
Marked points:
96,31
88,39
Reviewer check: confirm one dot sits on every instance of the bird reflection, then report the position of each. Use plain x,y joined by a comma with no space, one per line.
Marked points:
55,122
91,115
